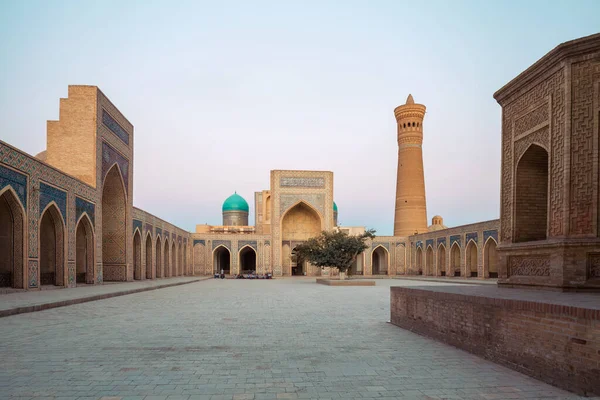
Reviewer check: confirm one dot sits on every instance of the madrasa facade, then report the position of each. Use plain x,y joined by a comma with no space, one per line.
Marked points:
67,216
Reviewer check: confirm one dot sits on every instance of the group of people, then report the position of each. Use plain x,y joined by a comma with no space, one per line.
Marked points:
254,275
251,275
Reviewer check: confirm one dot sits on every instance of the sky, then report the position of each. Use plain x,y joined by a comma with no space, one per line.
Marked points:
221,93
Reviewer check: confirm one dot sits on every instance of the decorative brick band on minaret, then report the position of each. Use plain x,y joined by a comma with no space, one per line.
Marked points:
411,210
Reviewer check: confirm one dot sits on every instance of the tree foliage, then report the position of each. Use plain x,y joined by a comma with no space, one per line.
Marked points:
334,249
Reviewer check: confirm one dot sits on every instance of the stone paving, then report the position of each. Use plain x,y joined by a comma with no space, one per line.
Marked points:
242,339
19,302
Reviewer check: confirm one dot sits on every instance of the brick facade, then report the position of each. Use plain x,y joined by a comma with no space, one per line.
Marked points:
549,189
552,340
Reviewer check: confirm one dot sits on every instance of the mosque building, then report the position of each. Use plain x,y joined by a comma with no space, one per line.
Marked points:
67,214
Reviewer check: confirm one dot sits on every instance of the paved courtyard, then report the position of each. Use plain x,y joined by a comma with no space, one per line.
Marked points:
232,339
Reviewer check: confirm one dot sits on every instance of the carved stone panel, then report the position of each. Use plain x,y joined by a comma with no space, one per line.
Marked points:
538,265
593,269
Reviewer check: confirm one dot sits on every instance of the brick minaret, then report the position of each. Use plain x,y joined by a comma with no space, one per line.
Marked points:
411,210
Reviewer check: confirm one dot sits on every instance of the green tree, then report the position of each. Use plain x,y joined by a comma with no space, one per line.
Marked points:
334,249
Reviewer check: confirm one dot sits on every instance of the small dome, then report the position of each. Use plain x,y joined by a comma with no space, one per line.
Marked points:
334,207
235,202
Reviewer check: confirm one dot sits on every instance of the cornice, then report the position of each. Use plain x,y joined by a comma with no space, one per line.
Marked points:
537,71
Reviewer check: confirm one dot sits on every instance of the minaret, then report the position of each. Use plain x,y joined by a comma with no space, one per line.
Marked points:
411,210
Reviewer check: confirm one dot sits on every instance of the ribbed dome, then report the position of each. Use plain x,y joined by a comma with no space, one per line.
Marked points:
334,207
235,202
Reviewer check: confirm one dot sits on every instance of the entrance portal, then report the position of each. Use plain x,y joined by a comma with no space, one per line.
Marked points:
51,247
247,260
84,250
379,261
11,240
222,260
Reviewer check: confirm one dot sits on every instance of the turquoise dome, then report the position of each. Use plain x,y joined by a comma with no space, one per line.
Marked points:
334,207
235,202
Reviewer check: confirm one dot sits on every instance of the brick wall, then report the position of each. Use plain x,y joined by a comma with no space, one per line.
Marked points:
557,344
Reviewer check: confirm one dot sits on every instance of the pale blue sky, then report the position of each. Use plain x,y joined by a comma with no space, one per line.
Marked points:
220,93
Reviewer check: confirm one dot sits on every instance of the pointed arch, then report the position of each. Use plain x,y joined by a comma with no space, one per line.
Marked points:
221,260
419,261
114,233
173,259
301,221
185,260
137,255
148,257
52,246
167,262
490,258
247,259
84,250
531,195
159,258
12,240
380,259
471,259
455,260
441,260
429,261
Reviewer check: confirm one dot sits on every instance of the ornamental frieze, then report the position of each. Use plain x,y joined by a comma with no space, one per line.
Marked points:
529,265
302,182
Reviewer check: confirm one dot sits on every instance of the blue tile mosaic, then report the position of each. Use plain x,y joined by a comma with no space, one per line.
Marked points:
455,238
17,181
148,228
471,236
375,244
441,240
428,242
109,157
267,243
137,224
199,241
251,243
493,233
114,126
50,193
419,244
84,206
158,232
166,235
217,243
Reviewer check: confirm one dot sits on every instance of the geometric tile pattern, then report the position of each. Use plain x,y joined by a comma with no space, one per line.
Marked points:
217,243
158,232
48,194
115,128
441,240
251,243
428,242
384,244
109,157
137,224
84,206
17,181
490,233
200,241
471,236
455,239
419,244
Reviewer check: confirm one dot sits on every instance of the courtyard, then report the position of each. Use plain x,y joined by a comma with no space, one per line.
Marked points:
243,339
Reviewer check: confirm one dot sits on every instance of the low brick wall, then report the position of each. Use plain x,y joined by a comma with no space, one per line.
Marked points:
558,344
